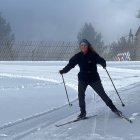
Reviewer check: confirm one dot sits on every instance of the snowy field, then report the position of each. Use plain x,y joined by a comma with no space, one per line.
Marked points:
33,101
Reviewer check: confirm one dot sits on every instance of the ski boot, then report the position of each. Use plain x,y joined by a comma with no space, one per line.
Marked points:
118,112
81,116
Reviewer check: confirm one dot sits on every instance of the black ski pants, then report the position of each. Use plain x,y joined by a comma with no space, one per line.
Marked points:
97,86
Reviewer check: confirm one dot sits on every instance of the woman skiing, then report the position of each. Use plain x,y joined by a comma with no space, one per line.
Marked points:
87,60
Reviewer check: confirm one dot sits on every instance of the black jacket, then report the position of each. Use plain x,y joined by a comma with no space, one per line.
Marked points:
88,66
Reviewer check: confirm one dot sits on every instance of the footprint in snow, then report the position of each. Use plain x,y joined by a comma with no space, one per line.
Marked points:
3,135
134,115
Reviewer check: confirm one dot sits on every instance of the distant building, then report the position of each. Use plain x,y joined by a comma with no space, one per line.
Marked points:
137,44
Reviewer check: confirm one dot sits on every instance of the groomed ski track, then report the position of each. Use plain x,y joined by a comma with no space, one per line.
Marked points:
106,126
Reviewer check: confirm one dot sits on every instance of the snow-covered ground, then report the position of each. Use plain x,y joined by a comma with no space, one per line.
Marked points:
33,101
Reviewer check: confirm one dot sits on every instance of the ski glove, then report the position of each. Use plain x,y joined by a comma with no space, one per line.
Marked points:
104,64
61,72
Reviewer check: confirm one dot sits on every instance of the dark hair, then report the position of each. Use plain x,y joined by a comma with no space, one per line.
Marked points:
90,47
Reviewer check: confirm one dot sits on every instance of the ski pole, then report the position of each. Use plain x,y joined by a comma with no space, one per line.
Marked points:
115,87
66,91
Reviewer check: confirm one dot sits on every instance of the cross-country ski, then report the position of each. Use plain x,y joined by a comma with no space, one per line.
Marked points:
75,120
121,115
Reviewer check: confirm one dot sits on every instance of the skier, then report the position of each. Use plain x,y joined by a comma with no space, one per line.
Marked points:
87,59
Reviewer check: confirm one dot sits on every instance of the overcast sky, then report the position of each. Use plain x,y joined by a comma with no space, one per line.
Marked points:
61,20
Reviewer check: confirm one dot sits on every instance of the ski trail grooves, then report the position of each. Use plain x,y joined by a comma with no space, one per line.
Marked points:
31,124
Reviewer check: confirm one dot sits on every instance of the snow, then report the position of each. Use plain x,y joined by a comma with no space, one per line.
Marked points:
33,101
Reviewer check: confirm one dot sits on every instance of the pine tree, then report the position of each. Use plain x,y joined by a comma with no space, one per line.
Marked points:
6,39
88,32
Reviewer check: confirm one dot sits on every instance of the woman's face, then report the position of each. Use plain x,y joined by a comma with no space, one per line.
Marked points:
84,48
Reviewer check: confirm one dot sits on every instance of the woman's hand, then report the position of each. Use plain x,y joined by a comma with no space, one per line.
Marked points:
104,65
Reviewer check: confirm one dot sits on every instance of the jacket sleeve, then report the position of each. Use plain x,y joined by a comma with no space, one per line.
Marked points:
100,60
72,63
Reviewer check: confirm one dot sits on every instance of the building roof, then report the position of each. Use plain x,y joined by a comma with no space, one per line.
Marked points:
137,31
